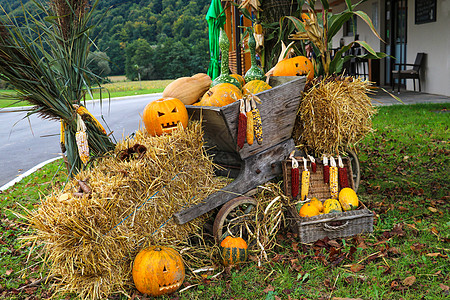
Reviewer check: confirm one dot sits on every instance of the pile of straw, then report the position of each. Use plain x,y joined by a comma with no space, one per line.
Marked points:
90,242
335,113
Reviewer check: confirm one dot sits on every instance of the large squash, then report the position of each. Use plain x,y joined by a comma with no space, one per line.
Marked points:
234,250
164,115
295,66
221,95
348,199
158,270
188,89
255,87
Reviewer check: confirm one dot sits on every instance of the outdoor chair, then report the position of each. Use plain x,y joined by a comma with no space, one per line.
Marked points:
403,73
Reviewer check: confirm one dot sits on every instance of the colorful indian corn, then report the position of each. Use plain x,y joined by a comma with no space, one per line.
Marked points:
326,170
342,174
242,125
305,181
334,188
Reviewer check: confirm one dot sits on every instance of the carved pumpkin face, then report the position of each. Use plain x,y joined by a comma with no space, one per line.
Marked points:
295,66
158,270
164,115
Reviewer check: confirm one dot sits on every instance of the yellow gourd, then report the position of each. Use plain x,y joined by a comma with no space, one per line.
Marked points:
348,199
331,206
309,210
317,203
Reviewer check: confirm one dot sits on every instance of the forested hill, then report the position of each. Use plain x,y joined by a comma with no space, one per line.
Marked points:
162,39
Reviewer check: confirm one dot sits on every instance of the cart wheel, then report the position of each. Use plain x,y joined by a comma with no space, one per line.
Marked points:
235,218
354,161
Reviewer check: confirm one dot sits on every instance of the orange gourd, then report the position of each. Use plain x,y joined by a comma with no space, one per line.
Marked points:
158,270
164,115
220,95
239,78
255,87
295,66
309,210
234,250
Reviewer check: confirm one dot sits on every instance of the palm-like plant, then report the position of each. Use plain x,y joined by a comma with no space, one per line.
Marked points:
44,57
320,28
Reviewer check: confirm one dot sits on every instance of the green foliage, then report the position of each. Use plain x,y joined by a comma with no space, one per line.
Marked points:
177,28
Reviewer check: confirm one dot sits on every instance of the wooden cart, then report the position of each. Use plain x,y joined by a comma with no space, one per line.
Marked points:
253,165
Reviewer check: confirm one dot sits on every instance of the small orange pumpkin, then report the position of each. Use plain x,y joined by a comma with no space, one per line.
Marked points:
158,270
255,87
309,210
234,250
164,115
220,95
295,66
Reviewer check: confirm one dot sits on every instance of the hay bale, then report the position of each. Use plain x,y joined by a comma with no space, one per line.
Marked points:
90,242
335,113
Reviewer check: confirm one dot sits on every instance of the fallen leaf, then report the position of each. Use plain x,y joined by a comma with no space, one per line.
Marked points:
444,287
339,298
394,284
269,288
356,267
434,230
409,280
432,209
436,255
9,272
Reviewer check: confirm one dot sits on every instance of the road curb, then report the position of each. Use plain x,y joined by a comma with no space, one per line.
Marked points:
27,173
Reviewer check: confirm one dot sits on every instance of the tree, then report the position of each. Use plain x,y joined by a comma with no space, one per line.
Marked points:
98,63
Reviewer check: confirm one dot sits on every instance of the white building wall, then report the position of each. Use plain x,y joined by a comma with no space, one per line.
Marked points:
433,39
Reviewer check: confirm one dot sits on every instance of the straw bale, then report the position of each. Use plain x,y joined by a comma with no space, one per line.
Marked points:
335,113
90,242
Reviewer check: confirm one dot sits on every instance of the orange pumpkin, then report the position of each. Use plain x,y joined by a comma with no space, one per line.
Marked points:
164,115
221,95
309,210
188,89
255,87
234,250
158,270
295,66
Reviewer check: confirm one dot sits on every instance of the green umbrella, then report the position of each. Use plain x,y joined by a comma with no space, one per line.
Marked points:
216,20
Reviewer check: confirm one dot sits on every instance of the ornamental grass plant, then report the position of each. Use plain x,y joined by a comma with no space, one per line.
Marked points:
44,57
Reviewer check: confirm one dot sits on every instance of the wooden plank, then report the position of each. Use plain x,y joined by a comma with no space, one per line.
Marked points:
256,170
278,110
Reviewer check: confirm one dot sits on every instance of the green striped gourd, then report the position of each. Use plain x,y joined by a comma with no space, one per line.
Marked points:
234,250
255,72
224,76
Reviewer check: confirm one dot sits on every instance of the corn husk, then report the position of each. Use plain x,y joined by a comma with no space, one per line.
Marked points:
335,113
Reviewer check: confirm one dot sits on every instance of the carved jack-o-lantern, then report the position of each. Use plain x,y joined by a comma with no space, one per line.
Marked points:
164,115
158,270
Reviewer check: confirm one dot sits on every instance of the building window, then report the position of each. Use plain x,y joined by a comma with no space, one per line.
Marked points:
350,27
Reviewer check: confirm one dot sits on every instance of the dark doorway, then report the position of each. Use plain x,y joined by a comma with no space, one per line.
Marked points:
396,37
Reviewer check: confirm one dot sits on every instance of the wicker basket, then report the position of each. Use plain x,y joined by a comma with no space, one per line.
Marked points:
332,225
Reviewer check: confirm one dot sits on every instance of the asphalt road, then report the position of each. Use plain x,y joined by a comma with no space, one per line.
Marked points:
26,142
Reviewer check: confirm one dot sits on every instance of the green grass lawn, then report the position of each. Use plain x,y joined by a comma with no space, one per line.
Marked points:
112,90
404,181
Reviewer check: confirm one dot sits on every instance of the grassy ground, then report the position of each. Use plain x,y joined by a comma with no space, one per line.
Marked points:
118,87
405,167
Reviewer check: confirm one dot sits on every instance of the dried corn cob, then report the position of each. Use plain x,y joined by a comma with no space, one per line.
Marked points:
82,141
242,125
326,170
342,174
62,138
334,189
313,164
84,113
305,181
249,114
295,178
257,124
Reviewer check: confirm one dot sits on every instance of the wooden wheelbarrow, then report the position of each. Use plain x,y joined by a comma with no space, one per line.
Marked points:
255,164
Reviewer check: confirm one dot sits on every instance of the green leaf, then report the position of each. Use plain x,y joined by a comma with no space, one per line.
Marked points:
336,22
368,21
